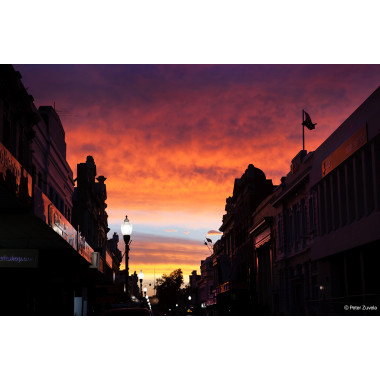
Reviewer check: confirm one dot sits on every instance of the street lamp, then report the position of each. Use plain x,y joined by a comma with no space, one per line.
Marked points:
126,230
141,277
145,290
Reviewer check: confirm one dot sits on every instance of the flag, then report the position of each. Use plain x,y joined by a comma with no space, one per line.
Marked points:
209,240
307,122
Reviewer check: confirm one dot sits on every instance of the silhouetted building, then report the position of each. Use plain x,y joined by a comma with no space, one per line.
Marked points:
133,284
264,297
327,221
46,266
112,246
345,188
294,228
53,175
194,279
206,286
89,205
40,268
18,116
313,240
89,214
234,253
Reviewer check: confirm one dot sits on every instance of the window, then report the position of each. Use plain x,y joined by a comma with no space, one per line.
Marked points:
311,215
343,199
303,229
359,184
322,219
327,185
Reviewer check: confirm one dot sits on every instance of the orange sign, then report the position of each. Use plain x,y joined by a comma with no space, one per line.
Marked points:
351,145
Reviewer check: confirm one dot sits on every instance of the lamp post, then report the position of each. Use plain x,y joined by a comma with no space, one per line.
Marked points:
145,290
141,277
126,230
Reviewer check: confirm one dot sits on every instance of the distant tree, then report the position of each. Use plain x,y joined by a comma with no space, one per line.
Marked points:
168,288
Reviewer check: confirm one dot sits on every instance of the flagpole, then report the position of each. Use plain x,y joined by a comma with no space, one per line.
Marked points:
303,130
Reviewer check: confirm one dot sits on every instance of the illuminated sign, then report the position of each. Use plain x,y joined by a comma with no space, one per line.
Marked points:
84,249
18,258
62,227
350,146
14,175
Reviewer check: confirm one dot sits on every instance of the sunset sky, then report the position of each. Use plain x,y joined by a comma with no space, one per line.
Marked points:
171,139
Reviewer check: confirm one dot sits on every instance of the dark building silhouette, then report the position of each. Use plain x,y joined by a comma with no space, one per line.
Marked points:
327,218
91,219
112,245
308,246
232,257
89,207
194,279
18,116
47,267
53,175
206,284
263,295
39,265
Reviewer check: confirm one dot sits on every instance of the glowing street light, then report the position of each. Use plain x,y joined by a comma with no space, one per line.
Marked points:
126,230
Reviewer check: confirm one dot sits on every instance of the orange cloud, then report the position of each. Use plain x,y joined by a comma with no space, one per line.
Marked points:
213,232
172,139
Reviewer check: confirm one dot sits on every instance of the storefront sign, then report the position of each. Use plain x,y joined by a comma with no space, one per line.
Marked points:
62,227
18,258
84,249
14,175
350,146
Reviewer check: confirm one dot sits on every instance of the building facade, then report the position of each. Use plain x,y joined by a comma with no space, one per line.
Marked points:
41,268
308,246
232,258
47,267
52,174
